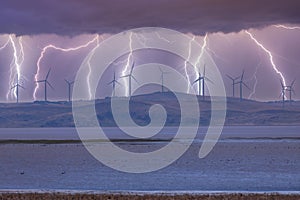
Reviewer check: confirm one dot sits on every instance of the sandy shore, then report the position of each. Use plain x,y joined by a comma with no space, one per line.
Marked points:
46,196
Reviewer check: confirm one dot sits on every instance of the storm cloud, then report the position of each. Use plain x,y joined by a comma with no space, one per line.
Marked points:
73,17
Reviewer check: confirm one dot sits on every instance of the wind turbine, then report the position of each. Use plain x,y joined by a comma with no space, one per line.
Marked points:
162,78
290,89
17,89
201,81
130,77
113,82
70,83
283,89
46,82
242,83
233,83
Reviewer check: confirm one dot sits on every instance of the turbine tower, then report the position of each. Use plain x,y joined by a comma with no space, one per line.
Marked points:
290,89
201,81
113,82
46,82
17,85
162,79
130,77
233,83
242,83
70,83
283,89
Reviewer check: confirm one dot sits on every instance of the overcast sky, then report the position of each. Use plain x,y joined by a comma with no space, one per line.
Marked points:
71,23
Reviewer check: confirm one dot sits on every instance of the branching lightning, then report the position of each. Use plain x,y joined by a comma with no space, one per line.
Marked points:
128,64
287,27
90,68
255,79
51,46
5,44
15,67
204,45
270,57
186,63
162,38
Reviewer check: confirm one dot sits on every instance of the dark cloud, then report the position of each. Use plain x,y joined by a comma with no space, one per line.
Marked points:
71,17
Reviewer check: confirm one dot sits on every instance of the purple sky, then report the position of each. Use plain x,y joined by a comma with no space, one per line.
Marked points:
72,23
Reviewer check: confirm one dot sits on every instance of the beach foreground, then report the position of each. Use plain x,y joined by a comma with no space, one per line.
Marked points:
46,196
234,165
253,163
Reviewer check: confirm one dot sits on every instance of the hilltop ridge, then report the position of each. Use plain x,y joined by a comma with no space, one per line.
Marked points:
59,114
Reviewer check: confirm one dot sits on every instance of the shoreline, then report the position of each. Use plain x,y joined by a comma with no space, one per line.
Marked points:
145,192
127,196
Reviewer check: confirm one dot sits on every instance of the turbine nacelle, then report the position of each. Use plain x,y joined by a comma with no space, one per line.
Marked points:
46,82
202,78
130,76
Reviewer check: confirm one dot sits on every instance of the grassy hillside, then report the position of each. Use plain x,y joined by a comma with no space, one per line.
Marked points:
59,114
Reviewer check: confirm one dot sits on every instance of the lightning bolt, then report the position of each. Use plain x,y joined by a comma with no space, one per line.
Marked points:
128,61
255,79
186,62
5,44
268,52
200,57
90,68
287,27
51,46
128,64
15,67
162,38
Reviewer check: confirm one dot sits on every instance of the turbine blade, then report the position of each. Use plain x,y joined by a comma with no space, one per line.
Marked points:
208,80
67,81
282,86
124,76
195,81
48,74
230,77
50,85
22,87
134,79
242,77
132,68
13,87
292,84
40,81
110,82
117,82
246,85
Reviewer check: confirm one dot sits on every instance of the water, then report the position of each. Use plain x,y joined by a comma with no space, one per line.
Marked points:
245,159
229,132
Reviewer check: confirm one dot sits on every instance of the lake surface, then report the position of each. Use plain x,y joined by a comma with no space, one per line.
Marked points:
245,159
235,132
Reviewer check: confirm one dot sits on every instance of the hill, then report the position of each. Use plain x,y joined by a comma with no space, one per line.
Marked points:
59,114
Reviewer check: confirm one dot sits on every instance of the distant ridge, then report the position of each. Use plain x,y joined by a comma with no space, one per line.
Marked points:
59,114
